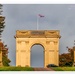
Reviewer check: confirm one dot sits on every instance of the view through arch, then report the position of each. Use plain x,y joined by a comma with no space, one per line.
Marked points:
37,56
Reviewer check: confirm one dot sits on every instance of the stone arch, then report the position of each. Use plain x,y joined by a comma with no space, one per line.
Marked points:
29,38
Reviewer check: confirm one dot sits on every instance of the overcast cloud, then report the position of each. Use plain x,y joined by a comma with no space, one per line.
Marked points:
23,17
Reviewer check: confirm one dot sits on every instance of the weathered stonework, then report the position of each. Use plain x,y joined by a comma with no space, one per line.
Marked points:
74,56
0,56
25,39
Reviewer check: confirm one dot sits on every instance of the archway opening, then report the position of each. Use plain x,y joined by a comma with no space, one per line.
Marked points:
37,56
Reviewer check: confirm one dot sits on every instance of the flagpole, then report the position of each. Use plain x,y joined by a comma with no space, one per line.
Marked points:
37,22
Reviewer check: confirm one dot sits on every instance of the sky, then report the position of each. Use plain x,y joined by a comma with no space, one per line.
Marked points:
24,17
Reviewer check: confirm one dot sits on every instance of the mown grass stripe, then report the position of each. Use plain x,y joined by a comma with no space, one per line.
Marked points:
16,69
63,68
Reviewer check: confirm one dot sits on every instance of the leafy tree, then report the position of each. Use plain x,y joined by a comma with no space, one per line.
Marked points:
1,20
5,59
65,59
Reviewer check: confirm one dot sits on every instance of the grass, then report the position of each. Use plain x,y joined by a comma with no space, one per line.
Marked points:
16,69
63,68
57,68
31,69
68,68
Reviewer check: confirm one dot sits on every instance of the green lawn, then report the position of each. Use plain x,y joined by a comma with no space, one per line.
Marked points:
57,68
31,69
63,68
16,69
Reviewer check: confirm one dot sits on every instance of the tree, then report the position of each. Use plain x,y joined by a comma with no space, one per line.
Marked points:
65,59
1,20
5,60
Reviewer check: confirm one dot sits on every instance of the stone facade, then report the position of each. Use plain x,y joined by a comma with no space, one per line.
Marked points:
74,55
0,56
25,39
1,47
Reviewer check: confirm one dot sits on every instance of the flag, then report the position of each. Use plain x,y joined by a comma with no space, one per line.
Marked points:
41,15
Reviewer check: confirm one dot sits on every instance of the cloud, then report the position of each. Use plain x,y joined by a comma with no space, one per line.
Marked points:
24,16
